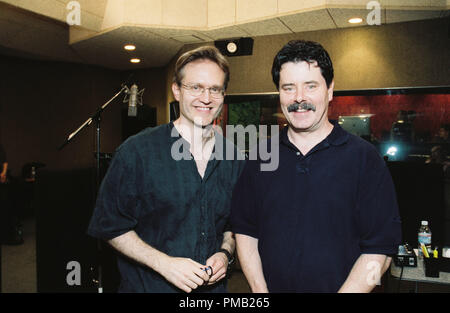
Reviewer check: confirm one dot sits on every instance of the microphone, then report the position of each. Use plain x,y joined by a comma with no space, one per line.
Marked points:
132,108
134,99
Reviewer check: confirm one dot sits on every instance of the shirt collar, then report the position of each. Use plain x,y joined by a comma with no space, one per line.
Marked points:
226,144
171,128
338,135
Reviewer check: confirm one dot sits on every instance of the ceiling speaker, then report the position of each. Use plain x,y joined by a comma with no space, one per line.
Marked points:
235,47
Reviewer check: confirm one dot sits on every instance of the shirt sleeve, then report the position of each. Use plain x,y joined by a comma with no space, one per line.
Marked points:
243,206
117,207
378,214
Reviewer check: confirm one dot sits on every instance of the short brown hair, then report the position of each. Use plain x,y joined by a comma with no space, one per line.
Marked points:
206,52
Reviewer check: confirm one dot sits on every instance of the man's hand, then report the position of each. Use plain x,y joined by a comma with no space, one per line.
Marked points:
3,178
184,273
219,265
3,172
219,260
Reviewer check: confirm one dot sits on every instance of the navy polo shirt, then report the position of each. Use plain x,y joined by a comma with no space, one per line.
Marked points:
317,213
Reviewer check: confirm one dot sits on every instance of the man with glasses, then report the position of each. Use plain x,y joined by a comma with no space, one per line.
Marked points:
167,215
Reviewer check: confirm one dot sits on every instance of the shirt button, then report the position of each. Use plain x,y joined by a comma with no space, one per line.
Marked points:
301,169
298,153
203,234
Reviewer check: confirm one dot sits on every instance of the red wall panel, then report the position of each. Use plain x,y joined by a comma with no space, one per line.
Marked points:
432,110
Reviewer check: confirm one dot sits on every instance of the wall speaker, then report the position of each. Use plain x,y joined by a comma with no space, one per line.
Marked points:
235,47
131,125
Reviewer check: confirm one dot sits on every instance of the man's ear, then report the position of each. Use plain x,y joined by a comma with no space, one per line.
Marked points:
176,91
330,91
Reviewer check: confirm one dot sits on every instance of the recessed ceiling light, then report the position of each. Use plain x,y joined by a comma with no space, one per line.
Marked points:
231,47
129,47
355,20
135,60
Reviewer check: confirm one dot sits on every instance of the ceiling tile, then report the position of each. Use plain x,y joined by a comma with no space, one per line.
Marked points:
107,48
170,32
221,12
308,21
203,36
289,6
250,10
396,16
188,39
411,3
192,13
341,16
348,3
226,32
264,28
50,8
91,21
143,12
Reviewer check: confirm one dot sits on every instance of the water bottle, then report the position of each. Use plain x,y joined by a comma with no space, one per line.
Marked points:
424,236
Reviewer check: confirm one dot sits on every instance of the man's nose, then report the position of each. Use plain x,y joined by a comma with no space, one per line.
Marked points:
299,95
205,97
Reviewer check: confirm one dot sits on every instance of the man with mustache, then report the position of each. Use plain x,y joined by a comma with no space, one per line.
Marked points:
168,216
326,220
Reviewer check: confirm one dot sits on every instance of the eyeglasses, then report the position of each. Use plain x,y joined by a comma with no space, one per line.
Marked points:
198,90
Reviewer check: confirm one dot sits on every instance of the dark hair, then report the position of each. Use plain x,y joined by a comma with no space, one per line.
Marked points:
301,50
206,52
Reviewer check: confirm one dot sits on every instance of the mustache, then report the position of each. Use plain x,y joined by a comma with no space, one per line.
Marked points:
304,106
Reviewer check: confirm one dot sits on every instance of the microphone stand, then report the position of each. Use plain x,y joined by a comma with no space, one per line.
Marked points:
96,118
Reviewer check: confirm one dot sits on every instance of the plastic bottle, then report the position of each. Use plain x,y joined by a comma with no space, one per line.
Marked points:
424,236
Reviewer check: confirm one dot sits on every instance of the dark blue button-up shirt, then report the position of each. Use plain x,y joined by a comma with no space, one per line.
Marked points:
317,213
150,190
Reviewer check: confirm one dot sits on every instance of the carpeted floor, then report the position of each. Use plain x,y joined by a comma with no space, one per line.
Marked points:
18,265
